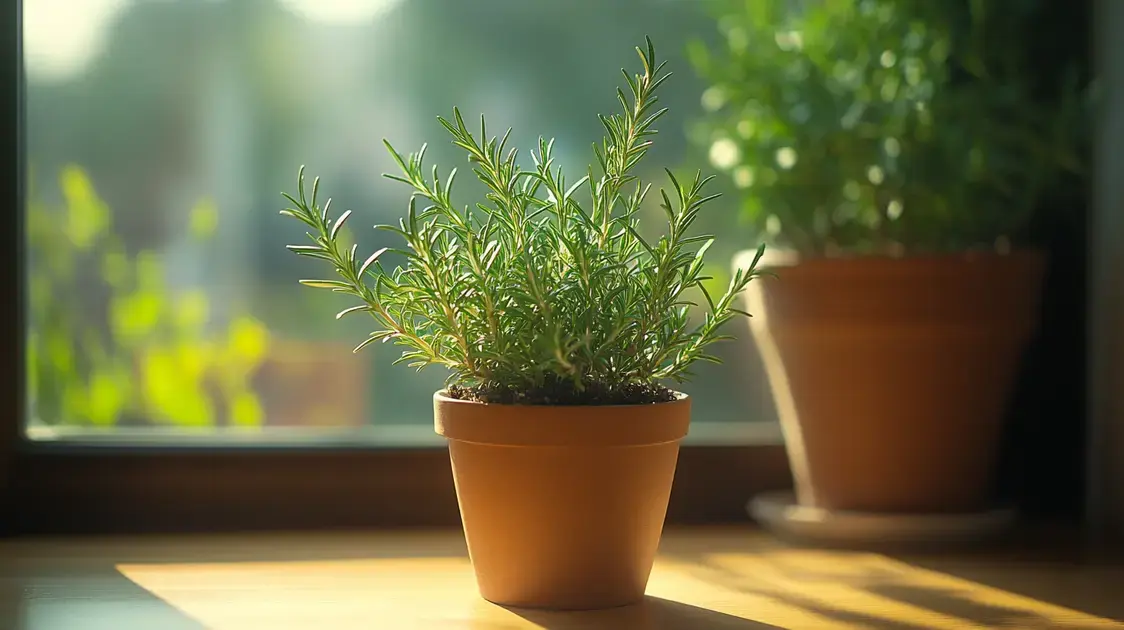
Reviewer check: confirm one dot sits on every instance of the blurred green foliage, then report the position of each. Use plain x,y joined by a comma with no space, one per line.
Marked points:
188,95
890,126
110,344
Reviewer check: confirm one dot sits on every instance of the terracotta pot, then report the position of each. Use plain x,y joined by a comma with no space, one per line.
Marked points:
892,376
563,507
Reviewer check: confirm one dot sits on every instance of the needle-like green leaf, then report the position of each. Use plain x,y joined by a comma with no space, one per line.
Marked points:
527,287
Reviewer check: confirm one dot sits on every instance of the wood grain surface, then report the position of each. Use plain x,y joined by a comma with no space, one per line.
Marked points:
705,578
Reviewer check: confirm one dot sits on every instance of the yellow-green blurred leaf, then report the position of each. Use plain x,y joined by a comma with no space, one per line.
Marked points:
39,291
74,402
86,215
719,279
115,268
169,395
60,354
249,340
150,271
192,310
204,219
192,358
159,374
107,397
134,317
31,356
191,408
246,411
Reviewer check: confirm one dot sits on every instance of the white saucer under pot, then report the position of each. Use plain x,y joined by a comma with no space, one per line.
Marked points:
780,514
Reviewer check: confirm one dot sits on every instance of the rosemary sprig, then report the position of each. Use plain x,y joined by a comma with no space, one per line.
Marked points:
528,286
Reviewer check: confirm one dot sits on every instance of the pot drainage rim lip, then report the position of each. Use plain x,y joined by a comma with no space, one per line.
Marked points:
779,513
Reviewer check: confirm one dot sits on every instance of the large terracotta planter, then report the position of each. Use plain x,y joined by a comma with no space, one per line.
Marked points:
892,375
562,507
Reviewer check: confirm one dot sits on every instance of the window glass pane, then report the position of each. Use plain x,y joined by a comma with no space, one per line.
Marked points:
161,133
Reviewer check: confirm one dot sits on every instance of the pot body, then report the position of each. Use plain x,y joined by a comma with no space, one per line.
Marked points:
892,375
563,507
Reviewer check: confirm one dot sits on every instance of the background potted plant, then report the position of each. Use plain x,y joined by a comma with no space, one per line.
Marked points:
896,153
558,321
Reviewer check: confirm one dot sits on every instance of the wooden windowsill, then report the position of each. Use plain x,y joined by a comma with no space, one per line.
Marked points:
706,577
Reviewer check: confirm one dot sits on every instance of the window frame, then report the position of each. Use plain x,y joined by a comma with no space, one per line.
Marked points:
11,248
83,489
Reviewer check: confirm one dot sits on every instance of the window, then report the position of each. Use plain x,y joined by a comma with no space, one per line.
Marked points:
174,373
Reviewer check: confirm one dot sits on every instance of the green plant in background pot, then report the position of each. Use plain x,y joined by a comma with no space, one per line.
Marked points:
559,322
895,152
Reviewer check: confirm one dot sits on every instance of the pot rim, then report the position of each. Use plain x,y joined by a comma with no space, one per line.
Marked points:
562,425
442,396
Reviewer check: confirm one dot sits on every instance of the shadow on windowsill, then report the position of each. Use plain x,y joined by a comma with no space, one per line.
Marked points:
96,596
951,604
872,591
654,613
1045,583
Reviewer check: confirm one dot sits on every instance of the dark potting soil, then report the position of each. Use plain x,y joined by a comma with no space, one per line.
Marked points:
563,392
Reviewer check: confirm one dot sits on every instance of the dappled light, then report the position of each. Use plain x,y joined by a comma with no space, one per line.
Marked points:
344,12
712,579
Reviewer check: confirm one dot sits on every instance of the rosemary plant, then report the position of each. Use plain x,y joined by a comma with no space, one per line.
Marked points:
530,296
